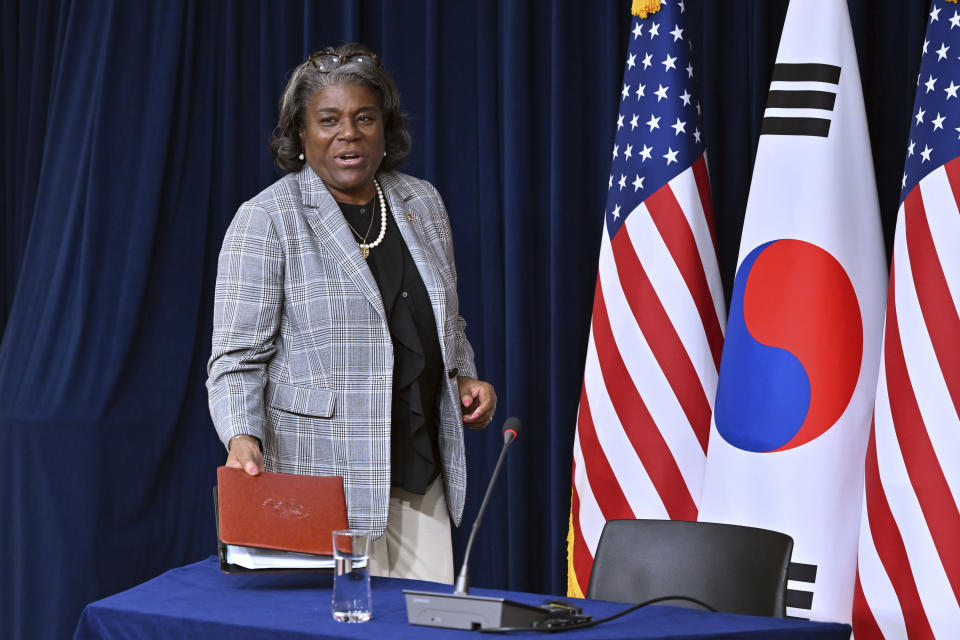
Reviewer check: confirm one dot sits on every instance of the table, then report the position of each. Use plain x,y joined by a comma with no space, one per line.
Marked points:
198,601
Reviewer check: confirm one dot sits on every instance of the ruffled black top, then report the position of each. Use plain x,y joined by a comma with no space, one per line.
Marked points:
417,359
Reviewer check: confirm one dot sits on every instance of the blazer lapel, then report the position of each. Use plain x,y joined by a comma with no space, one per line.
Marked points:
328,223
405,208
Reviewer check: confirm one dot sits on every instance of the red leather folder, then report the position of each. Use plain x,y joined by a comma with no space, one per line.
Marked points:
278,511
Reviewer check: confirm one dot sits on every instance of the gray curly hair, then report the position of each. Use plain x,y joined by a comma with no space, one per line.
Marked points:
304,83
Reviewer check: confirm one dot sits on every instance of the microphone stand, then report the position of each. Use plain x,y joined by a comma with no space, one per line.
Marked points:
459,610
462,586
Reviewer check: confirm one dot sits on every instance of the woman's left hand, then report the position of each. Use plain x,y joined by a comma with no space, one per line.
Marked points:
478,400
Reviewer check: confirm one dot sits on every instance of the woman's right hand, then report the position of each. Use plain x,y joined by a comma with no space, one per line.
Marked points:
244,453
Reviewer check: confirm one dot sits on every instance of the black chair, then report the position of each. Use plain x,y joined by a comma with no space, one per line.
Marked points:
731,568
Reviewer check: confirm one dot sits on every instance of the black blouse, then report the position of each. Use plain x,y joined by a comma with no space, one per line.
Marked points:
417,360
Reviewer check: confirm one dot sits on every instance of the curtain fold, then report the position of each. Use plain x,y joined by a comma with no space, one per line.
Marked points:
133,131
31,34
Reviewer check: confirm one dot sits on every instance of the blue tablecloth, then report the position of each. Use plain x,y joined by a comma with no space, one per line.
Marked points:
198,601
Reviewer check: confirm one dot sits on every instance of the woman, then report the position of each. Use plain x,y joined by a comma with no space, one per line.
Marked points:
338,348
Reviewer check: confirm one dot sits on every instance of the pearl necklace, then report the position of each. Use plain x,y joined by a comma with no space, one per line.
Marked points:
365,247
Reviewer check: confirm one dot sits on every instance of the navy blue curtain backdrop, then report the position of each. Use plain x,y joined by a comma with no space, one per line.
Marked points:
131,133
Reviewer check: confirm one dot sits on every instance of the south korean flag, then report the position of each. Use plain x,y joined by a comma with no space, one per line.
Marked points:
799,366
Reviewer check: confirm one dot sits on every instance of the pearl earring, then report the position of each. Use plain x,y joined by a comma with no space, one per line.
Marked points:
301,155
384,154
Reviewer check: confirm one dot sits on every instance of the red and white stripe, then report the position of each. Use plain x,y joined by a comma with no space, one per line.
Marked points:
651,369
908,581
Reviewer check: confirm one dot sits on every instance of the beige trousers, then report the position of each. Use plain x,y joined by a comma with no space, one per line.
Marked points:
417,541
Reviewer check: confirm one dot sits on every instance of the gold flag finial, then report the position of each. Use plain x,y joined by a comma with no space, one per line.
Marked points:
643,8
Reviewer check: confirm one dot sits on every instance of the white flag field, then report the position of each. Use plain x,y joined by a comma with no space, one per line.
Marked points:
799,367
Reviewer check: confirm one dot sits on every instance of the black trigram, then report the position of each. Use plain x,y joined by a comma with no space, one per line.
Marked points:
801,98
805,573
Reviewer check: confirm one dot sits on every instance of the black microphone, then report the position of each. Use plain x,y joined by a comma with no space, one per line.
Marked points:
458,610
511,429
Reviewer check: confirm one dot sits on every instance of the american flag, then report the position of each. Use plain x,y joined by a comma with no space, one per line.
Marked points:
908,577
657,327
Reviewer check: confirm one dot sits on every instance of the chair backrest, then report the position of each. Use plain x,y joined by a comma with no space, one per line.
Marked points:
732,568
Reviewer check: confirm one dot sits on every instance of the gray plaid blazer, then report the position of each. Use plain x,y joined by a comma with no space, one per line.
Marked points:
302,356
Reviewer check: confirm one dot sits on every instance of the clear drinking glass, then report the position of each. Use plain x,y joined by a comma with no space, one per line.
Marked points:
351,581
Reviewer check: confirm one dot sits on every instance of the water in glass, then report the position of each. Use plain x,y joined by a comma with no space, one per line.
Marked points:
351,583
